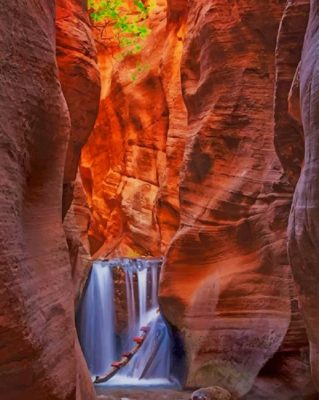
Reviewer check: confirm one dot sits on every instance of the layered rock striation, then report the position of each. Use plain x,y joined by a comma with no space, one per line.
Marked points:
302,232
130,165
201,141
40,358
197,158
80,80
225,283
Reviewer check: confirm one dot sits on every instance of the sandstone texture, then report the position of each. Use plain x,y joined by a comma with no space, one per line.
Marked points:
80,80
226,283
200,144
303,221
288,130
76,225
130,165
196,156
40,358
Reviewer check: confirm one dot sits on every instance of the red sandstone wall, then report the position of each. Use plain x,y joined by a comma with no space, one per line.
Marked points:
303,221
226,283
39,353
197,159
80,80
182,161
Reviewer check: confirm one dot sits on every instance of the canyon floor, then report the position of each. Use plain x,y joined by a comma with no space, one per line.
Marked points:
129,394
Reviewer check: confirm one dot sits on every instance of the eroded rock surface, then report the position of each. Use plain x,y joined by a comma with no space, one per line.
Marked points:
183,161
76,225
303,222
226,283
130,166
40,357
288,128
80,80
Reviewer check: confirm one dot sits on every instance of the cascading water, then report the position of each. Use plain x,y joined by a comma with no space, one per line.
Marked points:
131,308
142,292
151,365
96,320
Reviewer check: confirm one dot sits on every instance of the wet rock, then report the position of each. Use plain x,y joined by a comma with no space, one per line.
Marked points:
211,393
138,394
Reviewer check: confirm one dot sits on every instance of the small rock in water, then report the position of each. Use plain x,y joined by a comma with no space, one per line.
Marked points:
211,393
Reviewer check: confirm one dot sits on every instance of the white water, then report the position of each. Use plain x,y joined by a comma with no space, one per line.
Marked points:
154,273
142,292
131,308
96,320
151,365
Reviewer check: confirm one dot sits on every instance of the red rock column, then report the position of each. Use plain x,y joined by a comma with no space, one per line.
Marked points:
225,284
80,80
304,222
39,356
289,141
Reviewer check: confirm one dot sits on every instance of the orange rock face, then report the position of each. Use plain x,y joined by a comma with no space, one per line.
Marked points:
194,158
40,357
80,80
130,166
182,162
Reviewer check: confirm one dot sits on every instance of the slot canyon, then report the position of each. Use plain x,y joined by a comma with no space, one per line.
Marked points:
159,199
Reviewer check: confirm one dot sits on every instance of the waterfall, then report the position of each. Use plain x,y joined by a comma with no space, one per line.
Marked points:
96,320
154,273
142,292
152,362
131,308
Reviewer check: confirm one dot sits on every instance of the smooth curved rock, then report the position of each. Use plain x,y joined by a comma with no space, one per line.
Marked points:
303,241
80,80
76,225
39,353
288,128
211,393
226,281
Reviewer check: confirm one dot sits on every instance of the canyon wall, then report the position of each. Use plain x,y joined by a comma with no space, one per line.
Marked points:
192,157
130,165
226,280
303,221
196,156
80,80
40,358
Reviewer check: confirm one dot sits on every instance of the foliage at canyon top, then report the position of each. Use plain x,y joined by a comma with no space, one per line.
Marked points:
127,18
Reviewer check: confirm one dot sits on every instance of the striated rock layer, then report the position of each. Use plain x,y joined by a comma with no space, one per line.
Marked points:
80,80
226,284
288,130
40,357
182,161
130,166
303,221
